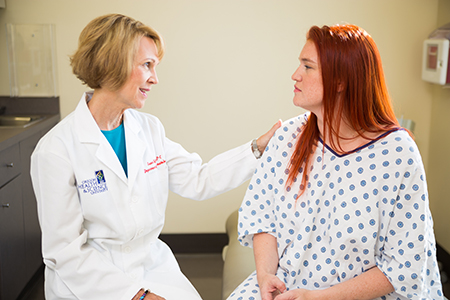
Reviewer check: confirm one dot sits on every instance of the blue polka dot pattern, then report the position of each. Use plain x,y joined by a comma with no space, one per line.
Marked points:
362,210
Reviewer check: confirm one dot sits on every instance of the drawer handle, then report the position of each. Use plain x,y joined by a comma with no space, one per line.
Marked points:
5,205
10,165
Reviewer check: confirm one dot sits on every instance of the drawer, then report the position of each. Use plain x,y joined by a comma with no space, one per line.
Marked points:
9,164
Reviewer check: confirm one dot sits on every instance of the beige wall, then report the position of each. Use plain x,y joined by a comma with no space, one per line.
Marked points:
439,160
226,75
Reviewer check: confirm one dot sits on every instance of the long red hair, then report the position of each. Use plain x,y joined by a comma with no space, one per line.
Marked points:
354,89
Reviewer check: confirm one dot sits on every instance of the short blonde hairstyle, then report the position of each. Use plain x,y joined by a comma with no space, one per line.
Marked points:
106,50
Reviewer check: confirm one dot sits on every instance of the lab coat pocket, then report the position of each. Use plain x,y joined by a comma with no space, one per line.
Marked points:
157,185
157,175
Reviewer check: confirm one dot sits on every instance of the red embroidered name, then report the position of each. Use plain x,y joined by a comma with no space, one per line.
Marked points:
154,164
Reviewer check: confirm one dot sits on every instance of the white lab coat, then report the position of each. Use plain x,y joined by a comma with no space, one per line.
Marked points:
99,228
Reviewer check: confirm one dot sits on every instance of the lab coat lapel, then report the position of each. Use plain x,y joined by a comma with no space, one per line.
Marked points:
135,147
89,133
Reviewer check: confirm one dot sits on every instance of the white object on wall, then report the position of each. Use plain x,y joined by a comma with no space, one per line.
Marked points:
435,61
436,52
32,60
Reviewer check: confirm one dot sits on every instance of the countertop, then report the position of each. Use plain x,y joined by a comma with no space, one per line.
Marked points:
43,106
11,136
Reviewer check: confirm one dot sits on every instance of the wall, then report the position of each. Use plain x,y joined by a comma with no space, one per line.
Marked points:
226,76
439,159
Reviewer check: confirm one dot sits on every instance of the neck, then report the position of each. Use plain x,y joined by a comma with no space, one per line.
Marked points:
104,109
346,138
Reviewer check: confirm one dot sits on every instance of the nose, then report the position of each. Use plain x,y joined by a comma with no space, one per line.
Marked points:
297,76
153,79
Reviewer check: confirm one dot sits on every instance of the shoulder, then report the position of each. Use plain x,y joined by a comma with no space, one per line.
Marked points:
58,139
399,141
292,127
63,129
144,119
296,122
399,147
142,116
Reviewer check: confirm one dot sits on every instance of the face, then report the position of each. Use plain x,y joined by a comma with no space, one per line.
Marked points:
308,92
143,75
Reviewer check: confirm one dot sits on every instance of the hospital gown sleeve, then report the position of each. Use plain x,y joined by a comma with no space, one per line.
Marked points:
408,247
256,214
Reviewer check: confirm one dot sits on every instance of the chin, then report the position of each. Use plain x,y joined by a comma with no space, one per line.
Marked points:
139,104
297,103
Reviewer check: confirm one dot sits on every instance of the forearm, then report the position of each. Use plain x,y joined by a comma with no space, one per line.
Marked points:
266,259
368,285
266,253
191,178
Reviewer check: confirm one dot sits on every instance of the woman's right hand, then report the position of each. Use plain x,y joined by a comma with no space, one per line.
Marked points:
149,296
270,286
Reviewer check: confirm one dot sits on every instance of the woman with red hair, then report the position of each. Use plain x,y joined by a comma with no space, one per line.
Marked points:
338,207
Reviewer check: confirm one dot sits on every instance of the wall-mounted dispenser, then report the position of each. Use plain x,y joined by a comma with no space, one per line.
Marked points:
436,52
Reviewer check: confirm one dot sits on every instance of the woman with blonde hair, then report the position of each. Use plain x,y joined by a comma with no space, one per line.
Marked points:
102,175
338,207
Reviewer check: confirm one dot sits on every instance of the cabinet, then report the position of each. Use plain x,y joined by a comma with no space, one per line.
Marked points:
12,240
20,234
33,256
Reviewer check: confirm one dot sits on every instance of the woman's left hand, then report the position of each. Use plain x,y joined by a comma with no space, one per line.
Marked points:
298,294
263,140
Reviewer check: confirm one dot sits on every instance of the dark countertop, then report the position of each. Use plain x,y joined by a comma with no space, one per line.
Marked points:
43,106
10,136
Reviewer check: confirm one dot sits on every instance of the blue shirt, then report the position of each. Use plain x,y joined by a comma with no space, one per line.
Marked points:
116,138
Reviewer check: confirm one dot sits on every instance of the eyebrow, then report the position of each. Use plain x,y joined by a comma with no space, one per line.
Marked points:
152,60
307,60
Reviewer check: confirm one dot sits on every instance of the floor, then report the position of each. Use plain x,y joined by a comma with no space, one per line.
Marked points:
203,270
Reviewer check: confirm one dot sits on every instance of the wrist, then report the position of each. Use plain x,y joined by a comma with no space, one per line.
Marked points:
255,149
324,294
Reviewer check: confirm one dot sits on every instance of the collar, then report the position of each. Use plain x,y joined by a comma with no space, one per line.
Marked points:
86,126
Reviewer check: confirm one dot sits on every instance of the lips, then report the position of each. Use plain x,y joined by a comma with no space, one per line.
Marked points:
296,89
144,91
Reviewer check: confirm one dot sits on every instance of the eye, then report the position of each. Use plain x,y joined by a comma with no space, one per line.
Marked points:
307,67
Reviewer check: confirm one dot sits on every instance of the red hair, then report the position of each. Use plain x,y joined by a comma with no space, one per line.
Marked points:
354,89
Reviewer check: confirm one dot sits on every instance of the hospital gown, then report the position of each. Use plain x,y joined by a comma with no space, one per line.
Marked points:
361,210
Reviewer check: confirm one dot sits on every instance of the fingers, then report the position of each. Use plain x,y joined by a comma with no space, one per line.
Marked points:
263,140
281,286
286,296
276,293
272,287
152,296
274,128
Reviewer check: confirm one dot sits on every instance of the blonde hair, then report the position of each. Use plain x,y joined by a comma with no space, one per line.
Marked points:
106,50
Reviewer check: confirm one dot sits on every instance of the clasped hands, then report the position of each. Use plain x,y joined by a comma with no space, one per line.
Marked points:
272,288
